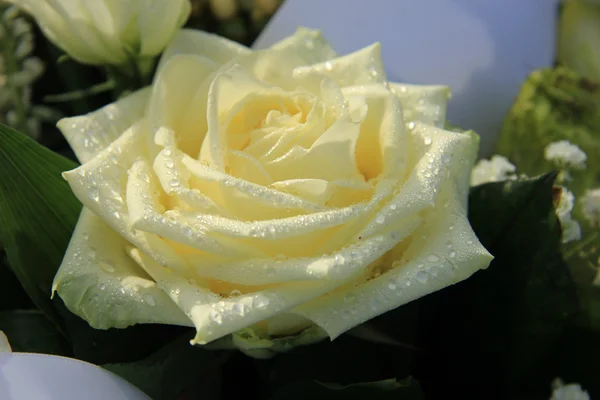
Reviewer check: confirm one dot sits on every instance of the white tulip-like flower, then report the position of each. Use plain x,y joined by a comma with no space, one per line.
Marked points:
103,32
277,190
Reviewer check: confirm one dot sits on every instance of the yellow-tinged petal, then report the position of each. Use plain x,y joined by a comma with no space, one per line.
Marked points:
444,251
422,103
91,133
99,282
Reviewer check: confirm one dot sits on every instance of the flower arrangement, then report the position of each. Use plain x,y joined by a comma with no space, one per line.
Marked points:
289,217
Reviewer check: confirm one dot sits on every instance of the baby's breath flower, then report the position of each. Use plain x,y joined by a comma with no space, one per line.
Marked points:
572,391
570,228
591,206
18,71
565,154
498,168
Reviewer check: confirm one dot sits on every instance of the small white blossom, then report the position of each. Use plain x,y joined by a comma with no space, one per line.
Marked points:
572,391
570,228
496,169
591,206
565,153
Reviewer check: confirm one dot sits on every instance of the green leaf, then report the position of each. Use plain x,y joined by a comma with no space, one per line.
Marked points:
406,389
29,331
37,213
177,368
494,327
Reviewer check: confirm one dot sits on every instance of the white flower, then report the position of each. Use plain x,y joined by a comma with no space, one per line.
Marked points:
4,345
565,154
274,189
590,203
572,391
570,228
498,168
108,31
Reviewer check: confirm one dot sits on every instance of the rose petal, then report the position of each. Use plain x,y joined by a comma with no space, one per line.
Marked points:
100,283
427,265
437,156
194,42
380,150
243,199
145,213
338,266
175,102
422,103
100,185
89,134
308,44
362,67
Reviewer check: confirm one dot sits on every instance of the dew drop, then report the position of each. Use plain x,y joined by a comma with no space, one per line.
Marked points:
422,276
94,193
235,293
150,300
339,259
101,286
216,317
107,267
169,164
411,125
433,258
271,229
173,183
392,286
469,242
380,219
393,206
452,254
427,140
328,66
85,236
349,298
260,302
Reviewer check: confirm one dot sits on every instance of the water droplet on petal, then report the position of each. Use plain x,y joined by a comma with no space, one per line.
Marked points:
452,254
349,298
422,276
102,286
216,317
150,300
433,258
427,140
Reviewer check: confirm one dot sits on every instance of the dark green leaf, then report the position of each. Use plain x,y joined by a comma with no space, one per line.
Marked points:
37,213
13,296
406,389
29,331
482,336
177,368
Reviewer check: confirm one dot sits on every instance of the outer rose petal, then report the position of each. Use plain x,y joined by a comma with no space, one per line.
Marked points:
194,42
425,104
101,284
91,133
424,268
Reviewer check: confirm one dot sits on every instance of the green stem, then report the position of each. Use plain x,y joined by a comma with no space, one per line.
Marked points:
591,238
81,94
131,76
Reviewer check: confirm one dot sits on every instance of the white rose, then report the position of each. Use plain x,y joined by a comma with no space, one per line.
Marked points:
108,31
276,189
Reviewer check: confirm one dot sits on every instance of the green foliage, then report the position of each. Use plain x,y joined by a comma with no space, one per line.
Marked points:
483,337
